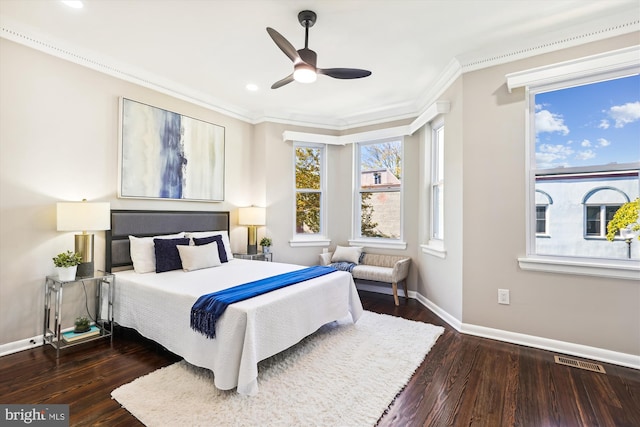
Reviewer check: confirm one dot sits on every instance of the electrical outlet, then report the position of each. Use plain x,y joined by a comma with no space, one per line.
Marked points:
503,296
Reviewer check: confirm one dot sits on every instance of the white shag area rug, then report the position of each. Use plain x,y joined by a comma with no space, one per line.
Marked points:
342,375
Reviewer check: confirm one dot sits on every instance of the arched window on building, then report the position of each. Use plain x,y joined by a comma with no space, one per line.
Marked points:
600,204
543,200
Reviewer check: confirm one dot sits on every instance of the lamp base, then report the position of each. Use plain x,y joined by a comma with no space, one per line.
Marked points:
86,269
84,246
252,240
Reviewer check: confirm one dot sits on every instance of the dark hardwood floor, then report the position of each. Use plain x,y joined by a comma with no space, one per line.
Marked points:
464,381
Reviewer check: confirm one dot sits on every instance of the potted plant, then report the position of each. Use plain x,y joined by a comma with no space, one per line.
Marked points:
67,264
266,244
82,324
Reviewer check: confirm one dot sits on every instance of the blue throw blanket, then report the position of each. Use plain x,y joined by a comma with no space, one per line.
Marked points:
208,309
343,266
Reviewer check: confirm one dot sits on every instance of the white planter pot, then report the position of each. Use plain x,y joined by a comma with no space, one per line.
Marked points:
67,273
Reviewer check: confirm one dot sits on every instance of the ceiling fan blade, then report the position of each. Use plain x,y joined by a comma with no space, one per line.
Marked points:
282,82
344,73
284,45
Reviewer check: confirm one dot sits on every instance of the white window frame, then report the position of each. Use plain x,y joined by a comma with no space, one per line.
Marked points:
435,147
375,242
616,64
317,239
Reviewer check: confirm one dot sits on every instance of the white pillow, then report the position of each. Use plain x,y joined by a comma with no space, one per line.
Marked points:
347,253
223,233
197,257
143,253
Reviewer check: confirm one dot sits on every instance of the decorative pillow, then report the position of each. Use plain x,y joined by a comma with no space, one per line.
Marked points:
223,233
167,255
198,257
143,253
347,254
222,253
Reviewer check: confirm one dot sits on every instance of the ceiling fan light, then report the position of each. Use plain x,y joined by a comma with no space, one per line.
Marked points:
304,73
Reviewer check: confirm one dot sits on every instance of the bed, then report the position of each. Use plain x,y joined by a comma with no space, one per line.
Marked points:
158,305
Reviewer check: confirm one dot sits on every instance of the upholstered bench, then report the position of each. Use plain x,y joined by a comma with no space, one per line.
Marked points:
391,269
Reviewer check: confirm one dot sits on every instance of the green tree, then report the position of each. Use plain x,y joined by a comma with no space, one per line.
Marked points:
367,225
307,189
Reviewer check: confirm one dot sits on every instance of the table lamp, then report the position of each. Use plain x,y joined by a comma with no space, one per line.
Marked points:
252,217
83,216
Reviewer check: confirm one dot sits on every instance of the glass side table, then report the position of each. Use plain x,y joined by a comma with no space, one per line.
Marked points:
53,287
262,256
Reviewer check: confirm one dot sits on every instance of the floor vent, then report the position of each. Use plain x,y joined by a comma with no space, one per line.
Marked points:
561,360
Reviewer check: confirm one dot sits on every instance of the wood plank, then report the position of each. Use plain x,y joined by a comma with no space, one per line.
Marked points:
464,380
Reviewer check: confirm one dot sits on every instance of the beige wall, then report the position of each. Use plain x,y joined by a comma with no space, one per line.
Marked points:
592,311
58,141
441,279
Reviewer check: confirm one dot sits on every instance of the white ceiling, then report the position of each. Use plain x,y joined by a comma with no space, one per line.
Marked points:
209,50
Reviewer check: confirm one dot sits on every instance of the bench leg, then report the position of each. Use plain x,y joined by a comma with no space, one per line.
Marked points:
394,285
406,293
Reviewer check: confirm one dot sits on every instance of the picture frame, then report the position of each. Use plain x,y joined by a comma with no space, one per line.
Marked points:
169,156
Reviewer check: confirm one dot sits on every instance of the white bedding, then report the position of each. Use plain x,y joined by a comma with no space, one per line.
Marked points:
159,306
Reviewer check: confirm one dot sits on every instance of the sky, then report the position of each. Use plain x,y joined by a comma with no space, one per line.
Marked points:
589,125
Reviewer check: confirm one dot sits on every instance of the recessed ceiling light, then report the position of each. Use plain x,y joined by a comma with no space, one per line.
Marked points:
76,4
252,87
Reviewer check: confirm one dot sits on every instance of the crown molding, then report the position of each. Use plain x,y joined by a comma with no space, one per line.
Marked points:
415,108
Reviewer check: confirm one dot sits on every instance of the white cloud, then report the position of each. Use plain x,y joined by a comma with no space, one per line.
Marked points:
604,124
546,121
603,142
548,156
624,114
585,143
585,155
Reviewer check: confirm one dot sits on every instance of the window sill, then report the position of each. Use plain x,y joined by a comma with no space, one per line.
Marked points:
618,269
379,243
436,250
317,241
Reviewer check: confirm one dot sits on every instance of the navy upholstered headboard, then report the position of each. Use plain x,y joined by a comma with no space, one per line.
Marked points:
142,223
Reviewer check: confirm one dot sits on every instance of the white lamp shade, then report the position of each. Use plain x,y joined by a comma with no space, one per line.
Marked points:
83,216
251,216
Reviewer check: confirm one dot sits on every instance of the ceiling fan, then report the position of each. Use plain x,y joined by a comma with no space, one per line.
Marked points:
304,60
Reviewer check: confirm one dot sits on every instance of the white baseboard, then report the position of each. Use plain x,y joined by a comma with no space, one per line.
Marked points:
16,346
455,323
578,350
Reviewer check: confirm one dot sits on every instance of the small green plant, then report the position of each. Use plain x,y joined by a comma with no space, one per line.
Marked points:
266,242
83,324
67,259
625,216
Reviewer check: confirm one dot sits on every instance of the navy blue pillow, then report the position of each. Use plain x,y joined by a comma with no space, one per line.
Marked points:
167,255
222,253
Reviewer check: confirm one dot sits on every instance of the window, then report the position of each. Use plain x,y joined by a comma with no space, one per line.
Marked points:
379,189
597,218
541,219
543,201
586,157
309,182
437,182
582,127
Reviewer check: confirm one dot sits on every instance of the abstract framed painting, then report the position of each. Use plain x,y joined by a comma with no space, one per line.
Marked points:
166,155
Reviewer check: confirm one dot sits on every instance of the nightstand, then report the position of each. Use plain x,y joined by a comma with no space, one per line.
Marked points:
262,256
53,287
